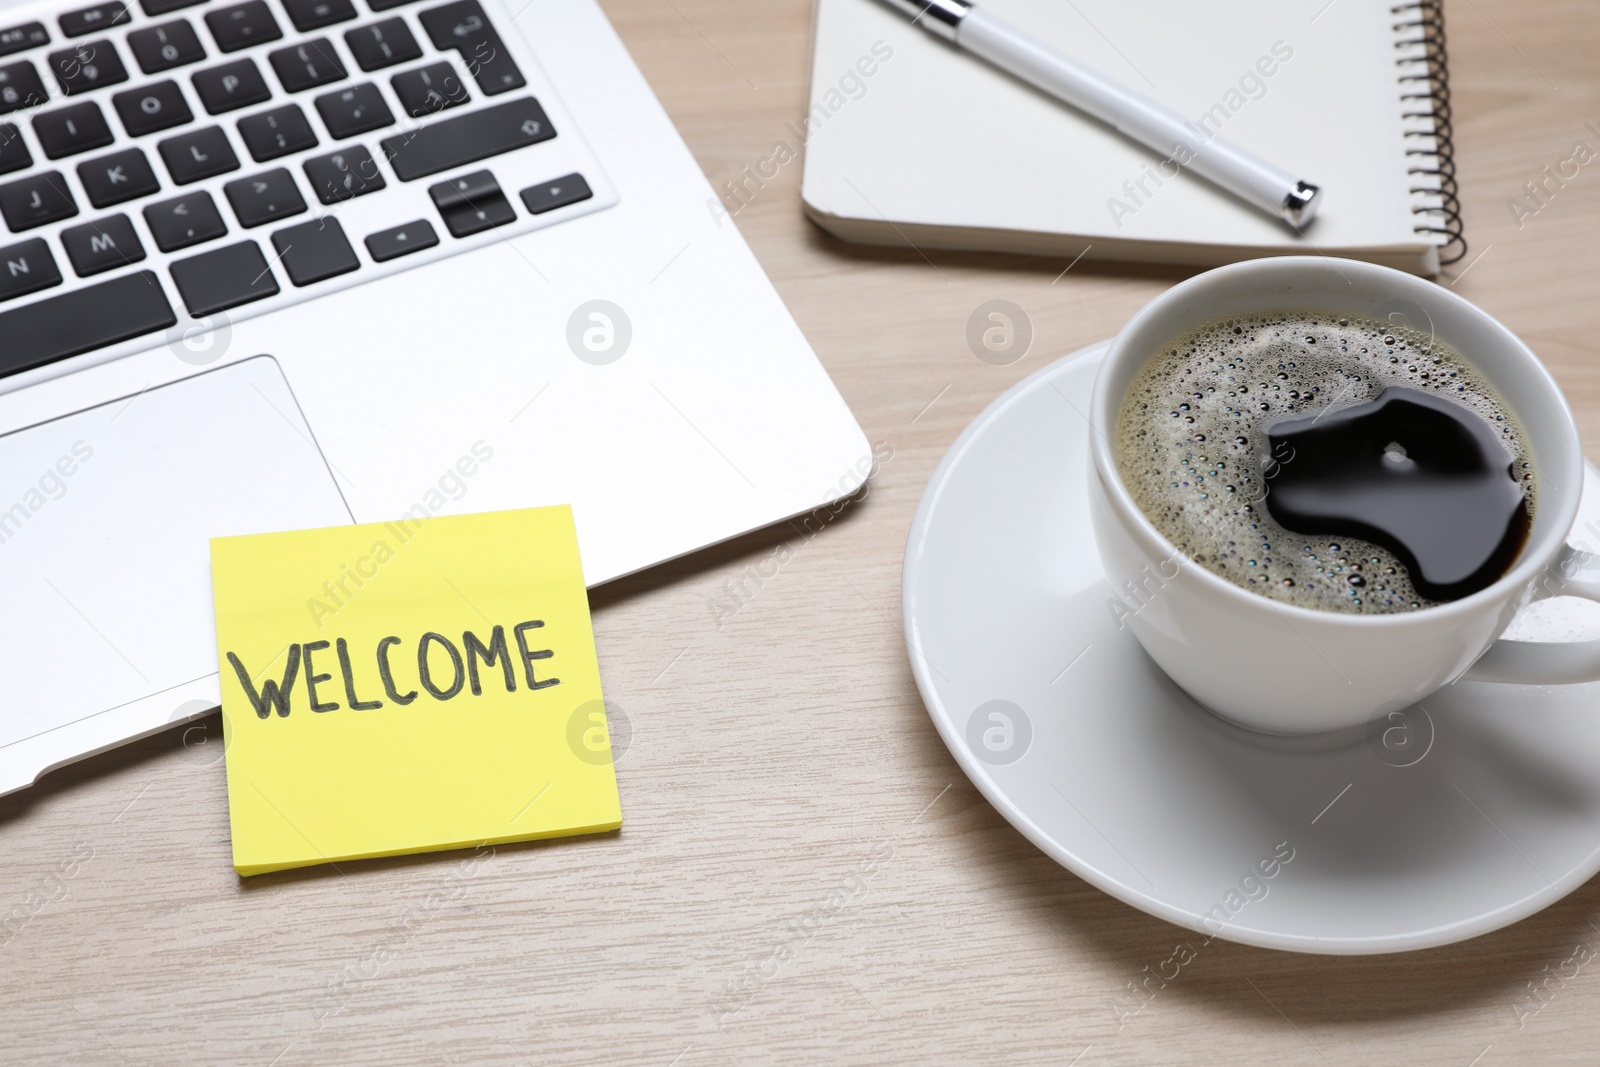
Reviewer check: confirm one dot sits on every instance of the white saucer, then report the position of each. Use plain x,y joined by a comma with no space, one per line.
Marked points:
1453,819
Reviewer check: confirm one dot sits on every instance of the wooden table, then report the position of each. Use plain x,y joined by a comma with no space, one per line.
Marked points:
788,750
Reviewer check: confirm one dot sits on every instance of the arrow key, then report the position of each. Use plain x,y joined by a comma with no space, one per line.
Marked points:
185,221
471,204
124,175
468,219
467,189
563,191
401,240
264,198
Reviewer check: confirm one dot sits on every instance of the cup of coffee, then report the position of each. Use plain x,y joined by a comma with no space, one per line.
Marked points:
1322,489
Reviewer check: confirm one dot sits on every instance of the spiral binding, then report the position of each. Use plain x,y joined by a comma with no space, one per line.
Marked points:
1431,155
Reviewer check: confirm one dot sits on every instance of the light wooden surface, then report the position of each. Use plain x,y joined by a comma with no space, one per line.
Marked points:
787,749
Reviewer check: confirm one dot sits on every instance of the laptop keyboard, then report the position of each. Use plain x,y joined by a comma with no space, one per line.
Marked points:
185,159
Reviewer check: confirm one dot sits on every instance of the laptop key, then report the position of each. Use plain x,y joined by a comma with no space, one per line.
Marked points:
356,110
99,17
82,320
66,131
95,247
90,65
157,8
200,154
159,48
383,44
23,37
308,65
308,15
264,198
477,135
224,278
472,204
230,86
429,90
243,25
387,5
467,189
153,107
550,195
184,221
344,175
14,154
315,251
121,176
279,132
463,27
20,87
468,219
27,268
401,240
36,200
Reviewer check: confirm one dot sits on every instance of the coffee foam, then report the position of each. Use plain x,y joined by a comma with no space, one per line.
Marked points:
1192,448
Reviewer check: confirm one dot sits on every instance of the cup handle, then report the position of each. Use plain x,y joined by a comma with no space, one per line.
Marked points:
1574,573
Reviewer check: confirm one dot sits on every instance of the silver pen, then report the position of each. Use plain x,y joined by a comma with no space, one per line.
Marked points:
1153,125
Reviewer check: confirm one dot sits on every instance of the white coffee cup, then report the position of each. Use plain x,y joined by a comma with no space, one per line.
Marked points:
1285,669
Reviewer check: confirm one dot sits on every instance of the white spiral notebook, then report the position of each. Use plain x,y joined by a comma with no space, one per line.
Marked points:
911,142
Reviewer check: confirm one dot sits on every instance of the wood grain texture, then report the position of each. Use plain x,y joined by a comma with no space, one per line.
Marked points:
787,750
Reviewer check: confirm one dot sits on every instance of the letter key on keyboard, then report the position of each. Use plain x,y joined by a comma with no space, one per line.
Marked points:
121,176
26,268
198,154
100,246
36,200
153,107
232,85
66,131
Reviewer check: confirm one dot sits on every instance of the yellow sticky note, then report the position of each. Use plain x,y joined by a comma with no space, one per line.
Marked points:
409,686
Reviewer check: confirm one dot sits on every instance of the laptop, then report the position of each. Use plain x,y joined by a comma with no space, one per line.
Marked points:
275,264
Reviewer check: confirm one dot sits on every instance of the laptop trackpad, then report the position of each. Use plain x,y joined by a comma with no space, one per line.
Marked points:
105,518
